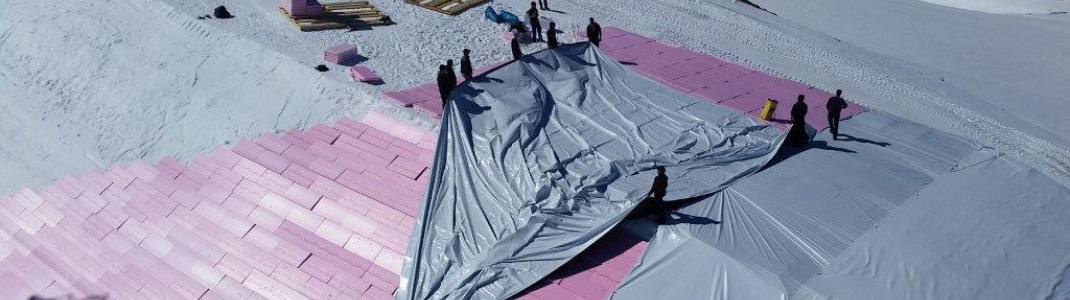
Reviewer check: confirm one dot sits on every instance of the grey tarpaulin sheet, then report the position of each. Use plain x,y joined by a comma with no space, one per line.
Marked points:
539,158
884,214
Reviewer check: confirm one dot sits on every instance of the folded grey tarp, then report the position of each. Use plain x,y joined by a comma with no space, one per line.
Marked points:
539,158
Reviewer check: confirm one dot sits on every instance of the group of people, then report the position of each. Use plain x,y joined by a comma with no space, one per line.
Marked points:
594,31
447,79
797,136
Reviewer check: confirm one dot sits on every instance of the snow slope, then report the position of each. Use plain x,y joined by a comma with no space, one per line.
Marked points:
143,78
1007,6
130,79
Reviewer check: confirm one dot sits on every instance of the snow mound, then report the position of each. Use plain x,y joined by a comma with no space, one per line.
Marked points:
1007,6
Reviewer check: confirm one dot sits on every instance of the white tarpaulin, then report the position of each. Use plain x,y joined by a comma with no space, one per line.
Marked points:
539,158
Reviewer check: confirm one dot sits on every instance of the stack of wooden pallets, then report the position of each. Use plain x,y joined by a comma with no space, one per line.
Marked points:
343,15
449,7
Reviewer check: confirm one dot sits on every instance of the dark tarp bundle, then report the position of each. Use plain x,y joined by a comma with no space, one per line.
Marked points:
539,158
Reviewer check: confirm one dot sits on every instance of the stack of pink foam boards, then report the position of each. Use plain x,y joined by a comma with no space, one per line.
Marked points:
364,74
301,7
340,53
322,213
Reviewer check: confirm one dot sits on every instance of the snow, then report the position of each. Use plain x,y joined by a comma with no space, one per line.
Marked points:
1007,6
87,84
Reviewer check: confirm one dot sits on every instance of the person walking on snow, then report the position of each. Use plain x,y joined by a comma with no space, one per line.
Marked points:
466,65
594,32
834,106
551,36
515,45
533,18
444,87
797,136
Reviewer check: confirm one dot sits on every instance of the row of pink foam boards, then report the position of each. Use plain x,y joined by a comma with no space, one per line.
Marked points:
321,213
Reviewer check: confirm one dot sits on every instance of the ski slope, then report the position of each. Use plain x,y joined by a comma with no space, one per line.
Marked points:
88,84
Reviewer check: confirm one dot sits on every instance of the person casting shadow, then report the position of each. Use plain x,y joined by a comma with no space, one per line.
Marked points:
835,105
654,202
797,136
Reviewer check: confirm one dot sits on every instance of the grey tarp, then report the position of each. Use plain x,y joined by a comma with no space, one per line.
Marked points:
539,158
884,214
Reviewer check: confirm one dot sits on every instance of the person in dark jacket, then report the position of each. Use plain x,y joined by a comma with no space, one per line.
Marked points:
466,65
545,4
551,36
533,18
515,44
594,32
797,136
653,203
834,106
452,76
444,86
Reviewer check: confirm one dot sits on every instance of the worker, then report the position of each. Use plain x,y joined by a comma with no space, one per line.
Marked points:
444,86
551,35
516,49
797,136
545,4
834,106
452,76
653,203
466,65
533,18
594,32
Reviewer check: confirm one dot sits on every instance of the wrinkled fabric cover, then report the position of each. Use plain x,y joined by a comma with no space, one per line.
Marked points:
773,234
539,158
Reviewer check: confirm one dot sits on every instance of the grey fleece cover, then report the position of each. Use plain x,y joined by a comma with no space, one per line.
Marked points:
541,157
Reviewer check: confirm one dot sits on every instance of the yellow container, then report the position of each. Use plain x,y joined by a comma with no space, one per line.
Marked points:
768,110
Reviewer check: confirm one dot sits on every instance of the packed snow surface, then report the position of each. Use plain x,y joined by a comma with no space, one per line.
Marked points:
1008,6
87,84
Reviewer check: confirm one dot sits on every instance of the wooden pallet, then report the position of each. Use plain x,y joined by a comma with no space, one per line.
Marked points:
343,15
449,7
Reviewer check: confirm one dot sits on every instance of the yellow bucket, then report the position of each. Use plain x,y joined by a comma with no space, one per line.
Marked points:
768,110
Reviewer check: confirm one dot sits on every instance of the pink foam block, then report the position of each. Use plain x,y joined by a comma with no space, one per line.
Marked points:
430,108
363,74
273,143
400,98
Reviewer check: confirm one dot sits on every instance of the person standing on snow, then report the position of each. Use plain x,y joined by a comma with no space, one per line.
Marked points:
551,36
515,44
533,18
452,76
545,4
444,87
466,65
797,136
834,106
594,32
